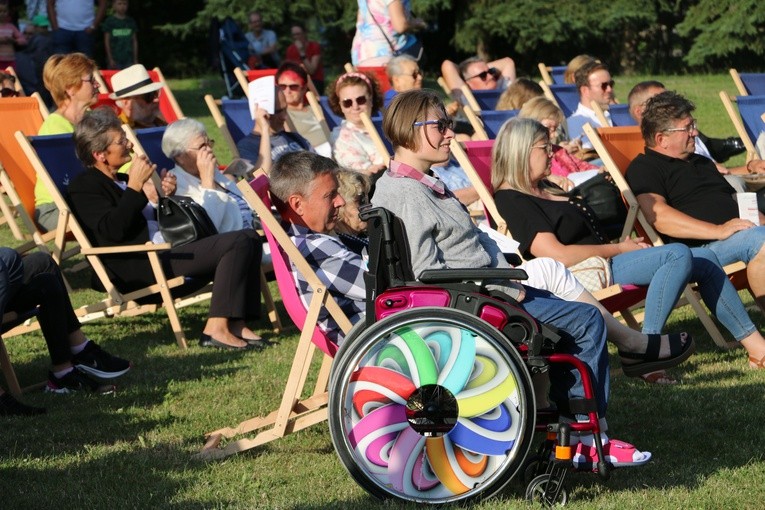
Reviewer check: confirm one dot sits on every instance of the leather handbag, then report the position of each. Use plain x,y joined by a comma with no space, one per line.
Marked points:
605,201
183,221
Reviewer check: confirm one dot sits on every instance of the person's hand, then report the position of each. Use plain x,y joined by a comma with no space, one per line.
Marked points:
150,191
169,182
632,244
562,182
207,166
722,169
730,227
756,166
141,170
452,108
374,169
262,118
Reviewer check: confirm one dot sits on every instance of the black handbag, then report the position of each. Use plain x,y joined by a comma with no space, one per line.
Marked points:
604,200
182,221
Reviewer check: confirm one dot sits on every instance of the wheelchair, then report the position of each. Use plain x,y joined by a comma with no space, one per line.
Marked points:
431,397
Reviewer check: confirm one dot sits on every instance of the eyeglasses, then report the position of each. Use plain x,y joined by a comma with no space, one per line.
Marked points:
8,92
483,75
210,143
548,148
149,97
441,124
690,128
416,73
122,141
92,80
294,87
604,86
347,103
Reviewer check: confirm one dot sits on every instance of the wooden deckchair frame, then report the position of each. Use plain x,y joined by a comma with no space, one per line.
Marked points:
382,150
738,123
294,412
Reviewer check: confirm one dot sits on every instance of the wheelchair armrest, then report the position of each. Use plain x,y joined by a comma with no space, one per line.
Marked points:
474,275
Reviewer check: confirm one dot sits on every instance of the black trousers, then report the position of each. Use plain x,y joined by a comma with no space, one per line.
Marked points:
232,261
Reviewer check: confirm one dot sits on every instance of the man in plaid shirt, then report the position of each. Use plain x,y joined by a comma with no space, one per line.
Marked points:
304,189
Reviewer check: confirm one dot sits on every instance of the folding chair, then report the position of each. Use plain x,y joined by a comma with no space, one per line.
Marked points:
749,84
13,324
480,100
475,159
617,147
295,411
244,77
379,73
747,121
552,74
318,112
17,83
168,105
373,126
148,142
220,120
54,160
333,120
565,95
488,122
619,114
18,178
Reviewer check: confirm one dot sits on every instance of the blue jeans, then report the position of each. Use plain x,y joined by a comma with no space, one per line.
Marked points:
719,294
583,334
743,245
69,41
666,271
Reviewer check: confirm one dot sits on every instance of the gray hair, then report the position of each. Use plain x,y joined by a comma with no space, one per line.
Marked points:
394,67
294,172
178,136
512,152
92,134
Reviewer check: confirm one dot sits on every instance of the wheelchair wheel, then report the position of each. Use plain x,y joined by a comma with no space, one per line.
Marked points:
542,489
431,405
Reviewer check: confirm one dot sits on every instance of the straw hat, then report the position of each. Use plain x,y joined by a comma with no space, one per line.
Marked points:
133,81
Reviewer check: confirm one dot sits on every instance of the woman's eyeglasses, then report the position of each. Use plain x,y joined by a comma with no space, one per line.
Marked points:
8,92
122,141
483,75
547,147
209,143
347,103
441,124
294,87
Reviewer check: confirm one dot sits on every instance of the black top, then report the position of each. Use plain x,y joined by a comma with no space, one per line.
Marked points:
527,215
693,186
113,217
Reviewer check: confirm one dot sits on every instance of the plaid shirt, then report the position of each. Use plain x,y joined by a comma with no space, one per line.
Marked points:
340,269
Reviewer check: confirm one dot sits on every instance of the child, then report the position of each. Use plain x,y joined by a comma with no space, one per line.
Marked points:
9,36
120,37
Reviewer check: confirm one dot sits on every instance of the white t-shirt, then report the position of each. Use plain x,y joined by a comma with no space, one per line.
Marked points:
75,15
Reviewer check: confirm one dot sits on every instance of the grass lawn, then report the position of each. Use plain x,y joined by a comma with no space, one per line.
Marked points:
134,449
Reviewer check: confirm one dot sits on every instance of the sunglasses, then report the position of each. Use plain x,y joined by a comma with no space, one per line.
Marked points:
8,92
149,97
604,86
483,75
347,103
441,124
294,87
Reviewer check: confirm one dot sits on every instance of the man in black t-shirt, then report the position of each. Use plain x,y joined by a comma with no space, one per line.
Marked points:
684,196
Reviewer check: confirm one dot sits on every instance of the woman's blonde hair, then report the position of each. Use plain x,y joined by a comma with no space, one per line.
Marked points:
518,93
512,151
574,65
541,108
63,72
352,185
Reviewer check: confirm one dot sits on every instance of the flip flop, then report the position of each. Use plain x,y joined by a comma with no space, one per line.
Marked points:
649,361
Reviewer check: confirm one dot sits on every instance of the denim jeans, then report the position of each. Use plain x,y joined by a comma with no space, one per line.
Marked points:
743,245
583,334
666,271
69,41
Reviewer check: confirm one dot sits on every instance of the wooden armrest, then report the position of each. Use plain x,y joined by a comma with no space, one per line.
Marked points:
134,248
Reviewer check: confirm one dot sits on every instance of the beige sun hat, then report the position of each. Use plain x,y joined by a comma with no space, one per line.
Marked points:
133,81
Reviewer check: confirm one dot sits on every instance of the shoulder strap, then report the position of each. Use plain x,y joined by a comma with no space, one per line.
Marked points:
380,27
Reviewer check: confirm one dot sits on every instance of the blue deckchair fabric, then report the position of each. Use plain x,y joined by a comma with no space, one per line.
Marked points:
620,115
494,119
238,118
751,109
487,99
332,119
754,83
151,141
557,73
567,96
56,152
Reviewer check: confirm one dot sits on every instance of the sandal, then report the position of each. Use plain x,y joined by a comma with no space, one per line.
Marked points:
660,377
758,363
618,453
649,361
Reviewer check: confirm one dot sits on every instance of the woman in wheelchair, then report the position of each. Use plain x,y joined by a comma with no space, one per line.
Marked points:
546,224
441,235
117,209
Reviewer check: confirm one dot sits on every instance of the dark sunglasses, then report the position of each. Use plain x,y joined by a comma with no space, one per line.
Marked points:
483,75
604,86
149,97
294,87
8,92
347,103
441,124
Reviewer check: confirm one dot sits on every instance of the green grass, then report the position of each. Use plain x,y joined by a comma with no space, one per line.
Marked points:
134,449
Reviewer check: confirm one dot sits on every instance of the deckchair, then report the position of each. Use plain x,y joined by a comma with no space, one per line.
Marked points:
18,178
551,74
566,96
244,77
318,112
15,323
220,120
619,113
17,83
55,163
480,100
373,127
168,105
749,83
379,73
747,120
475,159
617,147
487,123
295,411
148,142
333,120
